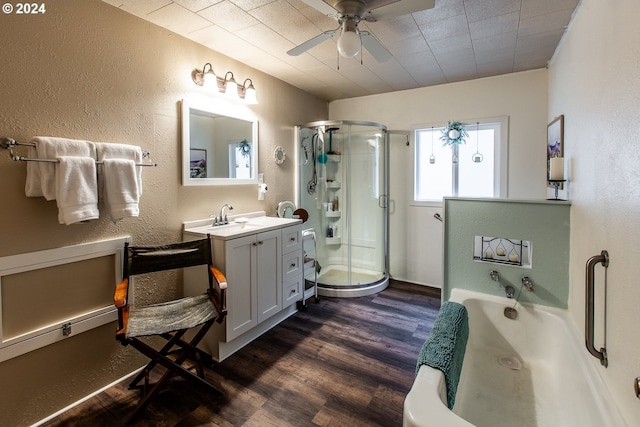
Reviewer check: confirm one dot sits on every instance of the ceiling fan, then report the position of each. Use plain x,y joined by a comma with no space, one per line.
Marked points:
349,13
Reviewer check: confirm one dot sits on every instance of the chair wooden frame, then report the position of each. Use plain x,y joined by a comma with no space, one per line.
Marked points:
146,259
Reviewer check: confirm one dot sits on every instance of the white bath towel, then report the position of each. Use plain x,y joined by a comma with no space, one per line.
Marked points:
52,148
106,150
76,189
121,195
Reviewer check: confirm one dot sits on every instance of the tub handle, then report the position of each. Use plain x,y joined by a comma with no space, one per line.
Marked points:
603,259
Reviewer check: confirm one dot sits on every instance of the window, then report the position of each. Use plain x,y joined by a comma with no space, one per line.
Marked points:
474,169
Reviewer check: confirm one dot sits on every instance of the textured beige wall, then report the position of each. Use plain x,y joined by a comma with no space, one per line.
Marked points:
594,82
87,70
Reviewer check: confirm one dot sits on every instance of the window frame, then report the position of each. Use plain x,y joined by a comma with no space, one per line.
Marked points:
501,156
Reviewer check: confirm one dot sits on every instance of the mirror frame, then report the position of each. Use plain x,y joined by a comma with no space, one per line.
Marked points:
186,107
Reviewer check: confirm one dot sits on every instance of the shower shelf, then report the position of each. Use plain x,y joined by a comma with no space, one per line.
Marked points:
332,214
334,185
333,240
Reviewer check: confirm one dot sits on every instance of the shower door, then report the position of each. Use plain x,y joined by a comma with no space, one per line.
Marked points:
342,184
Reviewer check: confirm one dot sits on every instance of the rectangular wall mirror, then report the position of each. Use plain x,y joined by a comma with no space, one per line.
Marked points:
218,147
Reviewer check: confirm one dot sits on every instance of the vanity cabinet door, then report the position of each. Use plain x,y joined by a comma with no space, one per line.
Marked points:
241,265
269,274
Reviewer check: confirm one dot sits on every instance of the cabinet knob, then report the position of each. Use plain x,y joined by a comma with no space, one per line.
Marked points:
293,264
292,239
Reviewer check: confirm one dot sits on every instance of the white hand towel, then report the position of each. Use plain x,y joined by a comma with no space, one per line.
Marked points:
52,148
106,150
32,186
76,189
121,193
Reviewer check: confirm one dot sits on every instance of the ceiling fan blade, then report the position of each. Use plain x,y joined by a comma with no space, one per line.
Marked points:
375,48
311,43
399,8
321,6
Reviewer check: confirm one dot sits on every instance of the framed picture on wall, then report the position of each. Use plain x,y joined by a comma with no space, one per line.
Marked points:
555,143
198,163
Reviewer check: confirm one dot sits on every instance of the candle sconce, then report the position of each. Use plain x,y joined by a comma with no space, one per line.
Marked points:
501,250
557,183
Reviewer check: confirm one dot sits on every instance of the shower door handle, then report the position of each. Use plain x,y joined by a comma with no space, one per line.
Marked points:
383,201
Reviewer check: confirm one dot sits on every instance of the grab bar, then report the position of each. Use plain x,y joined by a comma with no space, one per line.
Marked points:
603,258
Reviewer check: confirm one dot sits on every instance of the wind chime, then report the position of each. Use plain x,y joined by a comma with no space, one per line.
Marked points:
477,156
432,159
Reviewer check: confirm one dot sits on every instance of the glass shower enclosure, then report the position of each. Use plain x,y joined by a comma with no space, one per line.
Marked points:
342,183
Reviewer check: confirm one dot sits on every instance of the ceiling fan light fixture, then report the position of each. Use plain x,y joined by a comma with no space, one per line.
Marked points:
349,42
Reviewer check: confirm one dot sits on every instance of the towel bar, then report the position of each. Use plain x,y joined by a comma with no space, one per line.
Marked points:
9,143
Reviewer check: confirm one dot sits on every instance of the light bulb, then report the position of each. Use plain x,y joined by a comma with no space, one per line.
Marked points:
230,86
209,79
231,89
250,95
349,44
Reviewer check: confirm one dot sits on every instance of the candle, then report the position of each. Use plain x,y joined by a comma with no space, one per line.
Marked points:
556,169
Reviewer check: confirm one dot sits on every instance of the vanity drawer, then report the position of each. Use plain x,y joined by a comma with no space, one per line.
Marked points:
291,239
291,266
292,292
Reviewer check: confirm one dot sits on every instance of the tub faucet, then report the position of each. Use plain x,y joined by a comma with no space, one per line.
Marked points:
510,291
223,216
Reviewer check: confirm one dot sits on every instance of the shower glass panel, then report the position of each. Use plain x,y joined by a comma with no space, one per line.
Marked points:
342,182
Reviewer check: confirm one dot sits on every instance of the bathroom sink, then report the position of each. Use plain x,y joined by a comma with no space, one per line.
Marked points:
226,231
239,226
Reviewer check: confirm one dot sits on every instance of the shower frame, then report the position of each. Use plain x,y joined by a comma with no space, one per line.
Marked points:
383,202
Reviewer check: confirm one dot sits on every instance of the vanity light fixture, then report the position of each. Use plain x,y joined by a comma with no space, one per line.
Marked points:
248,93
227,85
206,77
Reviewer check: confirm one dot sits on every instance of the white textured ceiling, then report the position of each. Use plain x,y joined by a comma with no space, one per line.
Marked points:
457,40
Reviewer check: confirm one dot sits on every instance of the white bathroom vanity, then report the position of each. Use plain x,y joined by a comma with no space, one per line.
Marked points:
261,258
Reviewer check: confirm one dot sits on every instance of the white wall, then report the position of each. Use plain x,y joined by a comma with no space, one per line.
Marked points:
594,80
416,237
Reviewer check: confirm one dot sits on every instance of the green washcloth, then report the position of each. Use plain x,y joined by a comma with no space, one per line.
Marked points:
445,347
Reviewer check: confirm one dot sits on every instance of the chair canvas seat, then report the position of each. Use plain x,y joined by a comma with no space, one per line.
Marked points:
170,316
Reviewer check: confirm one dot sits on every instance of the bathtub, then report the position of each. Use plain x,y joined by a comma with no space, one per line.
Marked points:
531,371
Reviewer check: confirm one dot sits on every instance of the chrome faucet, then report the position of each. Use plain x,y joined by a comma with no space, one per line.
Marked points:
527,283
223,216
495,276
508,289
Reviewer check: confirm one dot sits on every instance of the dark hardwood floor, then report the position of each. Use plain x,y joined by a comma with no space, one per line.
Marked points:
342,362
